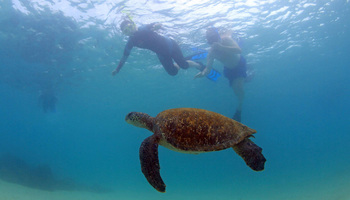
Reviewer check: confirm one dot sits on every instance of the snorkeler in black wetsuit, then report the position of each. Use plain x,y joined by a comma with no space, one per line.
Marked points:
166,49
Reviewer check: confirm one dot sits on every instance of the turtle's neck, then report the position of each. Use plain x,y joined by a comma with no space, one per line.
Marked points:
147,121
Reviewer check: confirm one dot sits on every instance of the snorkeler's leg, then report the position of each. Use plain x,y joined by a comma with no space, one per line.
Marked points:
168,64
180,60
198,65
237,86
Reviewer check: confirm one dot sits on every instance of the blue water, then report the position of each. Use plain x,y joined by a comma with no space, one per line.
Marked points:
298,99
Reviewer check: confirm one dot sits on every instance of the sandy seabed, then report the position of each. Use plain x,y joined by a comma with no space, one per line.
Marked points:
333,185
332,190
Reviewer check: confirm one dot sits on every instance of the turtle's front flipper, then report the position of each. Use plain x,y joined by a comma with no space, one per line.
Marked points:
150,163
251,154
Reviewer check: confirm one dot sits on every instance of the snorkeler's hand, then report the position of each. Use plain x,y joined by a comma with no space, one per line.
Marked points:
116,71
155,26
201,74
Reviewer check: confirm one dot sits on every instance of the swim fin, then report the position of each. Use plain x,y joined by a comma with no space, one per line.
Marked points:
197,56
213,75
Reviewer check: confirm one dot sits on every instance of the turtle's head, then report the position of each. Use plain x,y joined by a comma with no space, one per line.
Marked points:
140,119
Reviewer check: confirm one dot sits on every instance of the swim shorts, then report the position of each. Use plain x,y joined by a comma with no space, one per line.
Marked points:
237,72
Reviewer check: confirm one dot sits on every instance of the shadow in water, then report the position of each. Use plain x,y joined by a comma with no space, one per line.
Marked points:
15,170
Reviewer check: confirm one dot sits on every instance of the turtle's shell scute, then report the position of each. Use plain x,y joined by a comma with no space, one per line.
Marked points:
191,129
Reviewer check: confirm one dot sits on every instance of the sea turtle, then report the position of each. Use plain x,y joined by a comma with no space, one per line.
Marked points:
191,130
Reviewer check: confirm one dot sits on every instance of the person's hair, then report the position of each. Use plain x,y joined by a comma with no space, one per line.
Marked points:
212,35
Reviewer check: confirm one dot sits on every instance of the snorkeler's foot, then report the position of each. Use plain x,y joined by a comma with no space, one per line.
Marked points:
201,66
237,116
177,66
196,64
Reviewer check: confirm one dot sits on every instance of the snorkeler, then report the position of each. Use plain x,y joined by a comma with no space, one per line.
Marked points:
166,49
48,99
226,50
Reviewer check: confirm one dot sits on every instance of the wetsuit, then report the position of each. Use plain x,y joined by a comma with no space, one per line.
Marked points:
239,71
165,48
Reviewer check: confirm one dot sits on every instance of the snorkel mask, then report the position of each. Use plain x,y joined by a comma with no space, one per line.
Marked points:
128,27
212,35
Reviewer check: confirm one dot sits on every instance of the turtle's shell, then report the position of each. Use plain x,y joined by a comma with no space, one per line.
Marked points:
197,130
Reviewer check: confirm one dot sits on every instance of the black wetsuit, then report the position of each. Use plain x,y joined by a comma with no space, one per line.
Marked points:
165,48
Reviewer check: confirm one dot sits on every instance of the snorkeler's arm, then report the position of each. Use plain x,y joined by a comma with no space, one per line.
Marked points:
227,45
120,65
126,54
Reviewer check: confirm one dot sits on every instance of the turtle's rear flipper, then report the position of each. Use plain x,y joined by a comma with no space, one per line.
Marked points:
251,154
150,162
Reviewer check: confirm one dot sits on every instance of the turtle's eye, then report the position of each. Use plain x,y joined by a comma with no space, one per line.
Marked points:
130,116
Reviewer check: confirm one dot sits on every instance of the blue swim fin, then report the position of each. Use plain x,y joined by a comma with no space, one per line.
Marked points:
197,56
201,54
213,75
